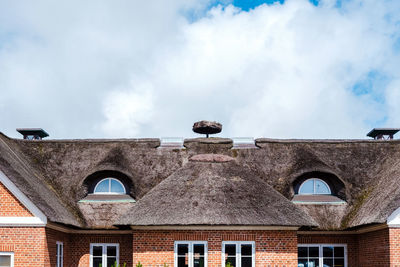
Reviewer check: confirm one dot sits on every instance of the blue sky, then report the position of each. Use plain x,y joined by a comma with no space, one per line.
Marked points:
287,69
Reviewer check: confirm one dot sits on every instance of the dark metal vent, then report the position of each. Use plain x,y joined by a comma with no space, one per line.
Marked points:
383,133
33,133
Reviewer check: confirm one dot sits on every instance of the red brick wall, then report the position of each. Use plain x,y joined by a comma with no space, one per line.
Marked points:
27,243
10,206
79,247
394,241
50,248
350,240
273,248
373,249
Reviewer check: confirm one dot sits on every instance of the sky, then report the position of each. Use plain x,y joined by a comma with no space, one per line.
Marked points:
262,68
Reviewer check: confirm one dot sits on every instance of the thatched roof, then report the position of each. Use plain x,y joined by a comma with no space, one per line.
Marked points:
54,173
210,193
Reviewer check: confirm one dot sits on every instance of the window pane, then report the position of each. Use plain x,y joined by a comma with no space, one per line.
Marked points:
313,252
97,262
183,249
5,260
321,187
313,263
339,263
302,263
328,263
97,251
111,251
302,251
230,261
111,261
102,187
328,252
183,261
116,187
307,187
198,250
198,262
246,250
247,261
230,249
339,252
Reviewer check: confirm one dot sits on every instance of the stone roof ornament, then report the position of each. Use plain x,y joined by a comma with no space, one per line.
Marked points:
207,127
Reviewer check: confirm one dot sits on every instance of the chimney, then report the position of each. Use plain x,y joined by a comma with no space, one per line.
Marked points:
33,133
383,133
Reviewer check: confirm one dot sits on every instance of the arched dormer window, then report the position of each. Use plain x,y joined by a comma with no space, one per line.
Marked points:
109,186
314,186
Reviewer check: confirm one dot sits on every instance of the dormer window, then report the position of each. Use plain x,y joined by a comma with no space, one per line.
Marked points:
314,186
109,186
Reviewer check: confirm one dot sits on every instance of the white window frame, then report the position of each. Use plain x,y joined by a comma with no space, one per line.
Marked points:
60,256
109,187
9,254
321,257
238,252
190,245
104,254
314,189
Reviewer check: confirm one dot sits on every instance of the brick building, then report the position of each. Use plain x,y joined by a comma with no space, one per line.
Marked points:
204,202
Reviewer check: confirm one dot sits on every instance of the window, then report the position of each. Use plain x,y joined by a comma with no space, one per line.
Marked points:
328,255
109,186
314,186
6,259
190,254
238,254
60,254
105,255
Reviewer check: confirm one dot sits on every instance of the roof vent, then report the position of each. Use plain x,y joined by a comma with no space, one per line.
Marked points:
383,133
171,142
33,133
207,127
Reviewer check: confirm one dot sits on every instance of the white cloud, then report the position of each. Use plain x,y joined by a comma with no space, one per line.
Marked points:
276,71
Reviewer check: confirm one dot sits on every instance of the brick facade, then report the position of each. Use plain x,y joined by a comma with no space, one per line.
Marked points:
10,206
394,246
273,248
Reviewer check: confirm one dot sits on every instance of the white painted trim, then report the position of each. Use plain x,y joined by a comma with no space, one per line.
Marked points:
394,219
238,252
9,254
104,255
190,246
25,201
215,227
60,256
21,222
321,250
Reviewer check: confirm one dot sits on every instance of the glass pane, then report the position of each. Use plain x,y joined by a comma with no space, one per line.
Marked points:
198,250
111,262
5,260
247,261
307,187
339,252
198,262
97,262
313,252
97,251
302,251
102,187
116,187
328,263
183,249
230,250
183,261
321,187
339,263
328,252
313,263
230,262
111,251
302,263
246,250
